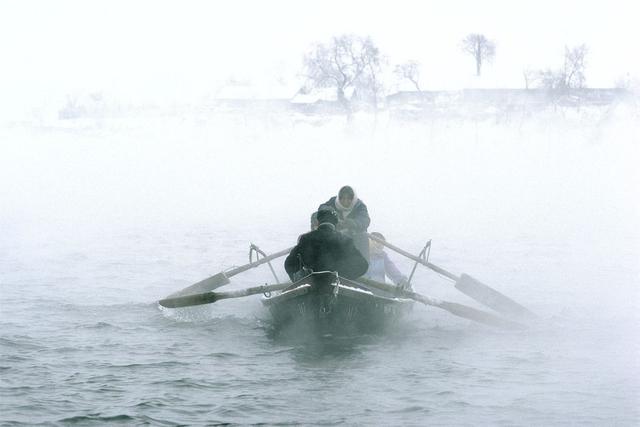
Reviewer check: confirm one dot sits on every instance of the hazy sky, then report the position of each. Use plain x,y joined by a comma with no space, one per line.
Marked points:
181,49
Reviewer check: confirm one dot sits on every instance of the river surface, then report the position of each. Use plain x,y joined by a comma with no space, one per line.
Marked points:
100,224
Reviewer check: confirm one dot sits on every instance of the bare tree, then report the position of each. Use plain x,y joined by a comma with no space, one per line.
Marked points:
627,82
574,66
347,62
371,86
530,77
551,79
481,48
623,82
410,70
630,83
572,74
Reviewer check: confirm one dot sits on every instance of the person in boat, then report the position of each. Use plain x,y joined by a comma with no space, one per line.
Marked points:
353,217
381,266
325,249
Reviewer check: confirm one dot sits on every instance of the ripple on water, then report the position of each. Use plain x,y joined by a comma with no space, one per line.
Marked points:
100,325
149,365
20,342
95,419
414,409
223,355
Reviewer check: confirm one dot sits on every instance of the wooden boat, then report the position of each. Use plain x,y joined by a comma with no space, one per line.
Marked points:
327,303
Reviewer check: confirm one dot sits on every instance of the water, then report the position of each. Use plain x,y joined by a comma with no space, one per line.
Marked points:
101,222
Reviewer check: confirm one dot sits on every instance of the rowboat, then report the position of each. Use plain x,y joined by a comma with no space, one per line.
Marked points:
325,302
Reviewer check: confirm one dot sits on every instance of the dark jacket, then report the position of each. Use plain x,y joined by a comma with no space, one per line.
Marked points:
325,249
354,225
359,214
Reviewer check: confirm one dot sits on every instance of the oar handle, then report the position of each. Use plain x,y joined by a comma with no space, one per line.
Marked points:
427,264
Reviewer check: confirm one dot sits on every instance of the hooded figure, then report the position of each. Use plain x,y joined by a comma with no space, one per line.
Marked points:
353,217
325,249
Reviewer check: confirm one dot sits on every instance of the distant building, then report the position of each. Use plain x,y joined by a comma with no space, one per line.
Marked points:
244,95
318,100
504,97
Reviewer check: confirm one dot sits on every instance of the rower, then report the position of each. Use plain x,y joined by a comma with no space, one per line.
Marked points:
325,249
381,266
353,217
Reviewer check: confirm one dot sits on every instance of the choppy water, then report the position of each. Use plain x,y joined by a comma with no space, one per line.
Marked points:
83,342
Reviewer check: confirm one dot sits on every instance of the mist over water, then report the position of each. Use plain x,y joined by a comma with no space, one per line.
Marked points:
101,219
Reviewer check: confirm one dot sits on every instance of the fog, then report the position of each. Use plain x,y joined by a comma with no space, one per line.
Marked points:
525,174
563,183
153,183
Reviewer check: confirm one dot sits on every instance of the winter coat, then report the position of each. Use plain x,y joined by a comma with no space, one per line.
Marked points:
325,249
354,224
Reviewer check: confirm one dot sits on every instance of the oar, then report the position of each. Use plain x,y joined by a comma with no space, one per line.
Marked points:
469,286
210,297
222,278
456,309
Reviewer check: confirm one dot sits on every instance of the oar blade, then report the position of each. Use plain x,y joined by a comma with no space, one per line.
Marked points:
209,284
452,307
189,300
211,297
469,286
479,316
222,278
490,297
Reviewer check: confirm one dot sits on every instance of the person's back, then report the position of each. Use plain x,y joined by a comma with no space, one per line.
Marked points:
325,249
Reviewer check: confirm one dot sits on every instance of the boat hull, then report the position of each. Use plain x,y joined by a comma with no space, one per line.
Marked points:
324,303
